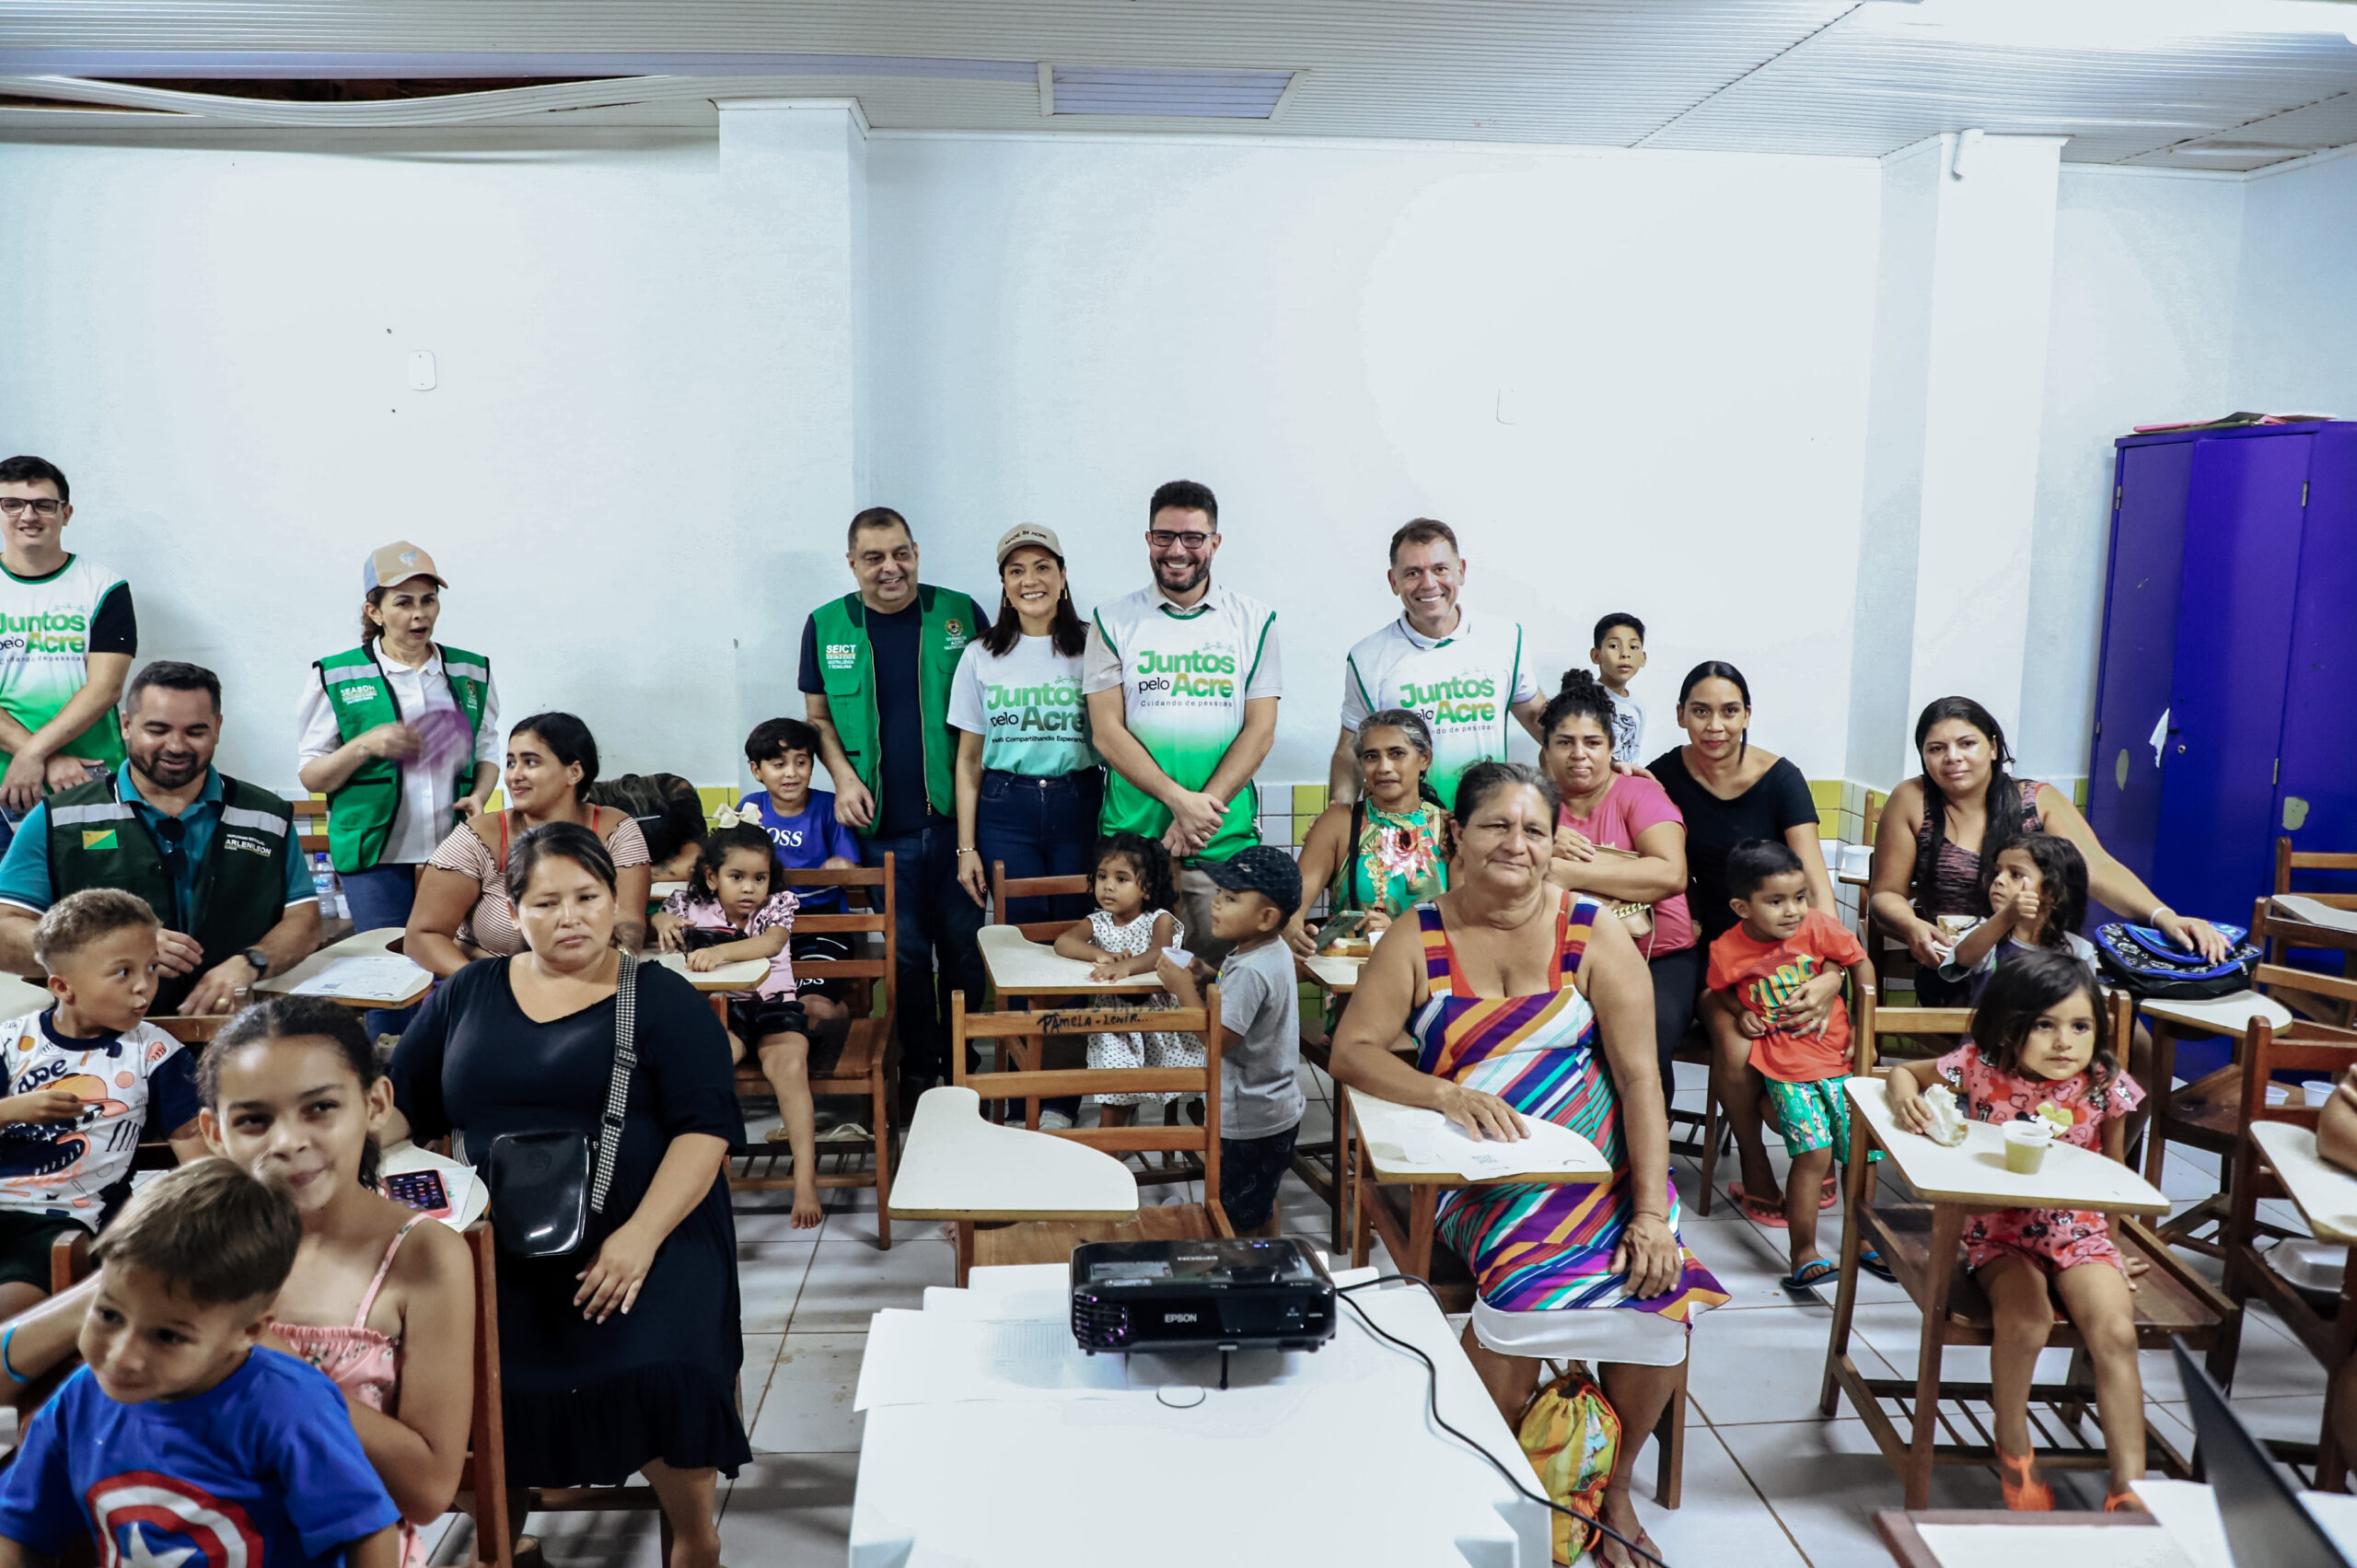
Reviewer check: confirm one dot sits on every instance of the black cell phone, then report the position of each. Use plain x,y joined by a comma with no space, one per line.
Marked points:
420,1189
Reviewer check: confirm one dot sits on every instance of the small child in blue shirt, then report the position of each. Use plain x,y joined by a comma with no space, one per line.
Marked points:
181,1439
801,822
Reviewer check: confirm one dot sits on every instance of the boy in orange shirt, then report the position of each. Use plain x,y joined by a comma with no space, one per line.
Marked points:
1779,945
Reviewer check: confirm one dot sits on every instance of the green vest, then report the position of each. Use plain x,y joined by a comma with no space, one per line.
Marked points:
847,666
361,809
96,841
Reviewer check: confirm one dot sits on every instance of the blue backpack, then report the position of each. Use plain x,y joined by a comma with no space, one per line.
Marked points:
2145,963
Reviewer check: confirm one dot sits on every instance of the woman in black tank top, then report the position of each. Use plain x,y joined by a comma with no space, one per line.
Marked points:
1940,832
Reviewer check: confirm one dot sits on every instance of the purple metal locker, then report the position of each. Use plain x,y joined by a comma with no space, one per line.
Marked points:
2315,800
2234,646
2139,647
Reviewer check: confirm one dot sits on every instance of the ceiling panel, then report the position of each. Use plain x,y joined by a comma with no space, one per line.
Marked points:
1814,76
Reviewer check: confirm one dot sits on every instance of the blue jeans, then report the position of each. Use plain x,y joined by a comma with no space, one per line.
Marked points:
936,920
1039,827
382,896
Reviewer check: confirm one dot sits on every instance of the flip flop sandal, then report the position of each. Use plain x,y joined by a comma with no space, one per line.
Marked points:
1759,1211
1870,1261
1804,1279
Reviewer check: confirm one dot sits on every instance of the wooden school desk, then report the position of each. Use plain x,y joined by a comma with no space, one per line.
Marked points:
1382,1145
1921,1242
1991,1537
1301,1460
1325,1168
1022,970
956,1166
388,988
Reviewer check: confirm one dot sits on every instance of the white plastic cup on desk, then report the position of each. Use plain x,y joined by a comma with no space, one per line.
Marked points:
2318,1092
2025,1144
1178,956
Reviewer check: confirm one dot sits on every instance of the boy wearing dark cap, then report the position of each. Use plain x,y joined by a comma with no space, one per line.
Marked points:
1260,1027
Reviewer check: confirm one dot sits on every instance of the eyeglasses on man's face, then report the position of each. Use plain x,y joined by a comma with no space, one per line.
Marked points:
42,505
1163,539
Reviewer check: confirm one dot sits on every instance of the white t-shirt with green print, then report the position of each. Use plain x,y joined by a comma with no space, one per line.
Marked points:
49,627
1465,686
1185,673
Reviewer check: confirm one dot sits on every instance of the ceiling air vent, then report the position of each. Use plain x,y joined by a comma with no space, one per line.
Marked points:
1141,91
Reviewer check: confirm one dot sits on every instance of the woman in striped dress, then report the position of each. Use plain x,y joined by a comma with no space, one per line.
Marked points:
1524,1003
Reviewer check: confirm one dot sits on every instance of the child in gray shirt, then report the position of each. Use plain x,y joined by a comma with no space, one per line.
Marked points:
1260,1025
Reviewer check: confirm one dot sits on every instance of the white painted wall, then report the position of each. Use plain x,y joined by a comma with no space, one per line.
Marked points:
2145,266
1319,331
2295,320
1321,334
211,342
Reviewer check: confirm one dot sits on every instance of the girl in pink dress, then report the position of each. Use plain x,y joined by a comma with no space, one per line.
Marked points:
292,1089
2041,1049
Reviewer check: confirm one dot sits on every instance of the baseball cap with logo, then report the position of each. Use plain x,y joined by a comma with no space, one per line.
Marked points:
397,563
1263,869
1033,534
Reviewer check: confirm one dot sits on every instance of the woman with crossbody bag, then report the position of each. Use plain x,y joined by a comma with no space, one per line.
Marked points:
1619,837
595,1095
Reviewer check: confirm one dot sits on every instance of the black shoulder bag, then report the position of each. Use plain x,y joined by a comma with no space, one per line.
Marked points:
545,1185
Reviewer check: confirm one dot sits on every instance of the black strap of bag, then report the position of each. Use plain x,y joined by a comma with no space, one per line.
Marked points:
609,1132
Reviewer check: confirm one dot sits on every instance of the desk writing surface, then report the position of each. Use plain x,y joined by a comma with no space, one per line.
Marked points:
1340,976
742,975
1997,1545
956,1165
2326,1195
1975,1172
2328,926
1404,1144
2219,1015
376,944
20,996
1238,1464
1034,969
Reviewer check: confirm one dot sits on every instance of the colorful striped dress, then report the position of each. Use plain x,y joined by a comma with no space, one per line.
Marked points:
1540,1249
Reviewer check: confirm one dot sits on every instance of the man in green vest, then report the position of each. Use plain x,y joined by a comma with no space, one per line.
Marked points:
218,859
877,666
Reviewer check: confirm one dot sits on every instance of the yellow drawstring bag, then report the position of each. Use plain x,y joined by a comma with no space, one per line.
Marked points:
1573,1437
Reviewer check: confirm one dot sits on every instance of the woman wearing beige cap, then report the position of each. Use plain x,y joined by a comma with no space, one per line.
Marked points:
401,734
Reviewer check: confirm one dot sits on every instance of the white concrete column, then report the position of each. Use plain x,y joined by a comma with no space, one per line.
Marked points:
1959,381
794,193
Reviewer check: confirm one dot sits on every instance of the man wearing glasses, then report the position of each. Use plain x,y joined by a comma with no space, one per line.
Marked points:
1182,681
1465,678
218,859
67,637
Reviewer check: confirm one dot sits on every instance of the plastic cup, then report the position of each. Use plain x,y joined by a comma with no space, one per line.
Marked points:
1178,956
2319,1093
2025,1144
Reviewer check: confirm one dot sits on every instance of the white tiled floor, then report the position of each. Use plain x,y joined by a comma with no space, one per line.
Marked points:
1767,1481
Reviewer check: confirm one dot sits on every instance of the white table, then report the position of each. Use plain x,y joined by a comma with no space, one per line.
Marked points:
382,943
1020,968
1302,1461
956,1166
2325,1194
472,1193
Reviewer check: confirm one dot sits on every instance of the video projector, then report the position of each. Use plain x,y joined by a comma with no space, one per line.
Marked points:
1223,1293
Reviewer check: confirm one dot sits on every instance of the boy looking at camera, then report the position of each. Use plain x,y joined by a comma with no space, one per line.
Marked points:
1260,1030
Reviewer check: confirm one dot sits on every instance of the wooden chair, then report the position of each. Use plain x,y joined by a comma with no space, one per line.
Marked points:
2207,1113
867,1064
2329,1334
1043,1242
1027,1051
482,1481
1921,1243
1710,1125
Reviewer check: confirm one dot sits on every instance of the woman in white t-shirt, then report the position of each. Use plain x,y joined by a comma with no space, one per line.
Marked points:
1028,781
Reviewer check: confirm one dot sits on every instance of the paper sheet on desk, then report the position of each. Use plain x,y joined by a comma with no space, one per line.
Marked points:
1428,1138
365,976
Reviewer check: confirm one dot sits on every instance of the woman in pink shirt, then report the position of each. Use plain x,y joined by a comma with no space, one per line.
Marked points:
1604,811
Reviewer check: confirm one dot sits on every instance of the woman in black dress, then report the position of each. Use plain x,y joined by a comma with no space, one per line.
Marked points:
624,1355
1730,790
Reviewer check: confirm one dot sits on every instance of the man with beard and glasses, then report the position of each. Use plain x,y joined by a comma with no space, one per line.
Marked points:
1182,681
218,859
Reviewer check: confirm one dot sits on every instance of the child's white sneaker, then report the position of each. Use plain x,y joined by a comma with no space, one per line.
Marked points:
1055,1121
